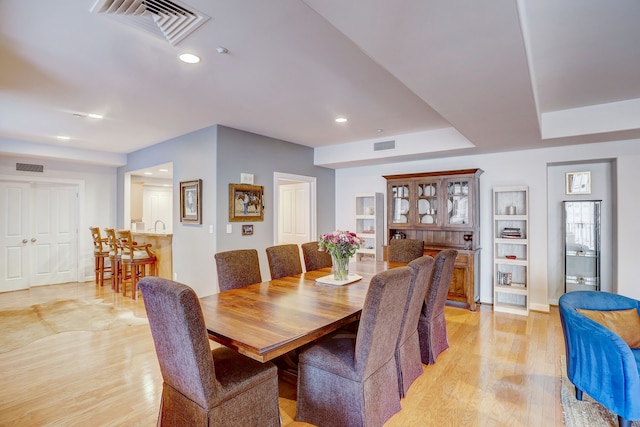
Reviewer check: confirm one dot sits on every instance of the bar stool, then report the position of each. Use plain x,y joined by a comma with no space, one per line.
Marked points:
114,257
100,253
134,260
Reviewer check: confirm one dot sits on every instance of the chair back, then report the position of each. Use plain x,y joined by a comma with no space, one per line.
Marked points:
405,250
381,319
128,247
284,260
314,258
438,289
237,268
422,269
112,240
180,339
98,241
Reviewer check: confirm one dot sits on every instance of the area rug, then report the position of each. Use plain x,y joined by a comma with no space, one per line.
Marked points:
21,326
586,412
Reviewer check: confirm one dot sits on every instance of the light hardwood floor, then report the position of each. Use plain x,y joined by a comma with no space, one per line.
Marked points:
500,370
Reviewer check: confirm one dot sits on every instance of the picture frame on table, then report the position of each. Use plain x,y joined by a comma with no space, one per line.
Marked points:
191,201
245,203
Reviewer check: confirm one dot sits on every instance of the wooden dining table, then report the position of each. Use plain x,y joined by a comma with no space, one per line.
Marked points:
266,320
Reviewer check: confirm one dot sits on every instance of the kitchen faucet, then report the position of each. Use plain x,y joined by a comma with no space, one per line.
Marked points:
155,226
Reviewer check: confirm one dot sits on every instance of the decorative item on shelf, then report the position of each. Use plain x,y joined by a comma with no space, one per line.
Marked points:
504,278
511,233
511,210
510,256
399,235
341,245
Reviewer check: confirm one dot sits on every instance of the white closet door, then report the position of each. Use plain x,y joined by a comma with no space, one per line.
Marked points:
14,236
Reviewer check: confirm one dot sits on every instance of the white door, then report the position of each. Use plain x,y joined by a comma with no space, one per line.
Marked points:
157,205
294,213
14,236
54,238
39,234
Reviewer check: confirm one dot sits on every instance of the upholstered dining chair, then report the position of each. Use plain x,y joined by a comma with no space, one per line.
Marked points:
405,250
314,258
351,381
100,254
203,387
432,326
114,257
237,268
134,259
284,260
408,359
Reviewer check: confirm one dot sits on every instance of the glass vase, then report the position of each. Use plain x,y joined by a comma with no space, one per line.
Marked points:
340,267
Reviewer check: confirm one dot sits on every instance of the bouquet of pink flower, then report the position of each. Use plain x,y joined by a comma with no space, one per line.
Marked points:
341,244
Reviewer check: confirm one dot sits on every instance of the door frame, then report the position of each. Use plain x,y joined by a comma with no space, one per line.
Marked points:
82,245
278,177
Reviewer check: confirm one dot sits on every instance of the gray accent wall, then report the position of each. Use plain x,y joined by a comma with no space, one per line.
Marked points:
218,155
240,151
194,157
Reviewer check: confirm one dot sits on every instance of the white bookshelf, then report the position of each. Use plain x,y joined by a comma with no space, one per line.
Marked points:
511,249
370,225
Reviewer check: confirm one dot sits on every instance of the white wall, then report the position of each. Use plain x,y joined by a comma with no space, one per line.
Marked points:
519,168
97,197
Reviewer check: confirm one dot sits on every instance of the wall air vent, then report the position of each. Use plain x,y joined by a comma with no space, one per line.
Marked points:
164,18
26,167
384,145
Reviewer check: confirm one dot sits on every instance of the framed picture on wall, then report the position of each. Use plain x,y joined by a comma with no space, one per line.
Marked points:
191,201
247,229
245,203
578,183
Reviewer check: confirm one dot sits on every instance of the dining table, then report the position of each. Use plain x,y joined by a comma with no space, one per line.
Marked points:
268,319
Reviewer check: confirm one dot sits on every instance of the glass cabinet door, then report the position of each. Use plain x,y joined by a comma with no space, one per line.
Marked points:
457,199
428,193
582,245
400,203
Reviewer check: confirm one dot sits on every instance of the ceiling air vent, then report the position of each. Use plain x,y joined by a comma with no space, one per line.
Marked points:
384,145
169,19
26,167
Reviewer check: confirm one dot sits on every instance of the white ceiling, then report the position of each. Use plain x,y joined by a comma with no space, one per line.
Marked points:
502,73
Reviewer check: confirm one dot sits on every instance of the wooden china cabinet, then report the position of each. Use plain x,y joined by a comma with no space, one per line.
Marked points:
440,208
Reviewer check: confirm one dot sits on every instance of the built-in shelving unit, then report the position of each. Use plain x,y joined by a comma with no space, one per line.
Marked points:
370,225
511,249
581,245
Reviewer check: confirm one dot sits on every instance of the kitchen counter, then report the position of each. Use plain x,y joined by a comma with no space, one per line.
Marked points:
161,246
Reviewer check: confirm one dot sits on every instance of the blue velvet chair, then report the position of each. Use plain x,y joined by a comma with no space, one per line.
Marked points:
599,362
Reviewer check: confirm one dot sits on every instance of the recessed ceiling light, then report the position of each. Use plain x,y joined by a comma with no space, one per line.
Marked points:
164,170
341,120
189,58
63,137
95,116
379,130
222,49
148,173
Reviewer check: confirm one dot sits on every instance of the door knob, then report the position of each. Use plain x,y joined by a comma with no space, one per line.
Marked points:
33,239
24,240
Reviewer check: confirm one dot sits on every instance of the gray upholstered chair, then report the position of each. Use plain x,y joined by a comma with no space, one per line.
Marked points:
432,326
237,268
405,250
314,258
284,260
203,387
351,381
408,359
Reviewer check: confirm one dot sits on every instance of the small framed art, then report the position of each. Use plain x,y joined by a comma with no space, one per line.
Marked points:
247,229
191,201
578,183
